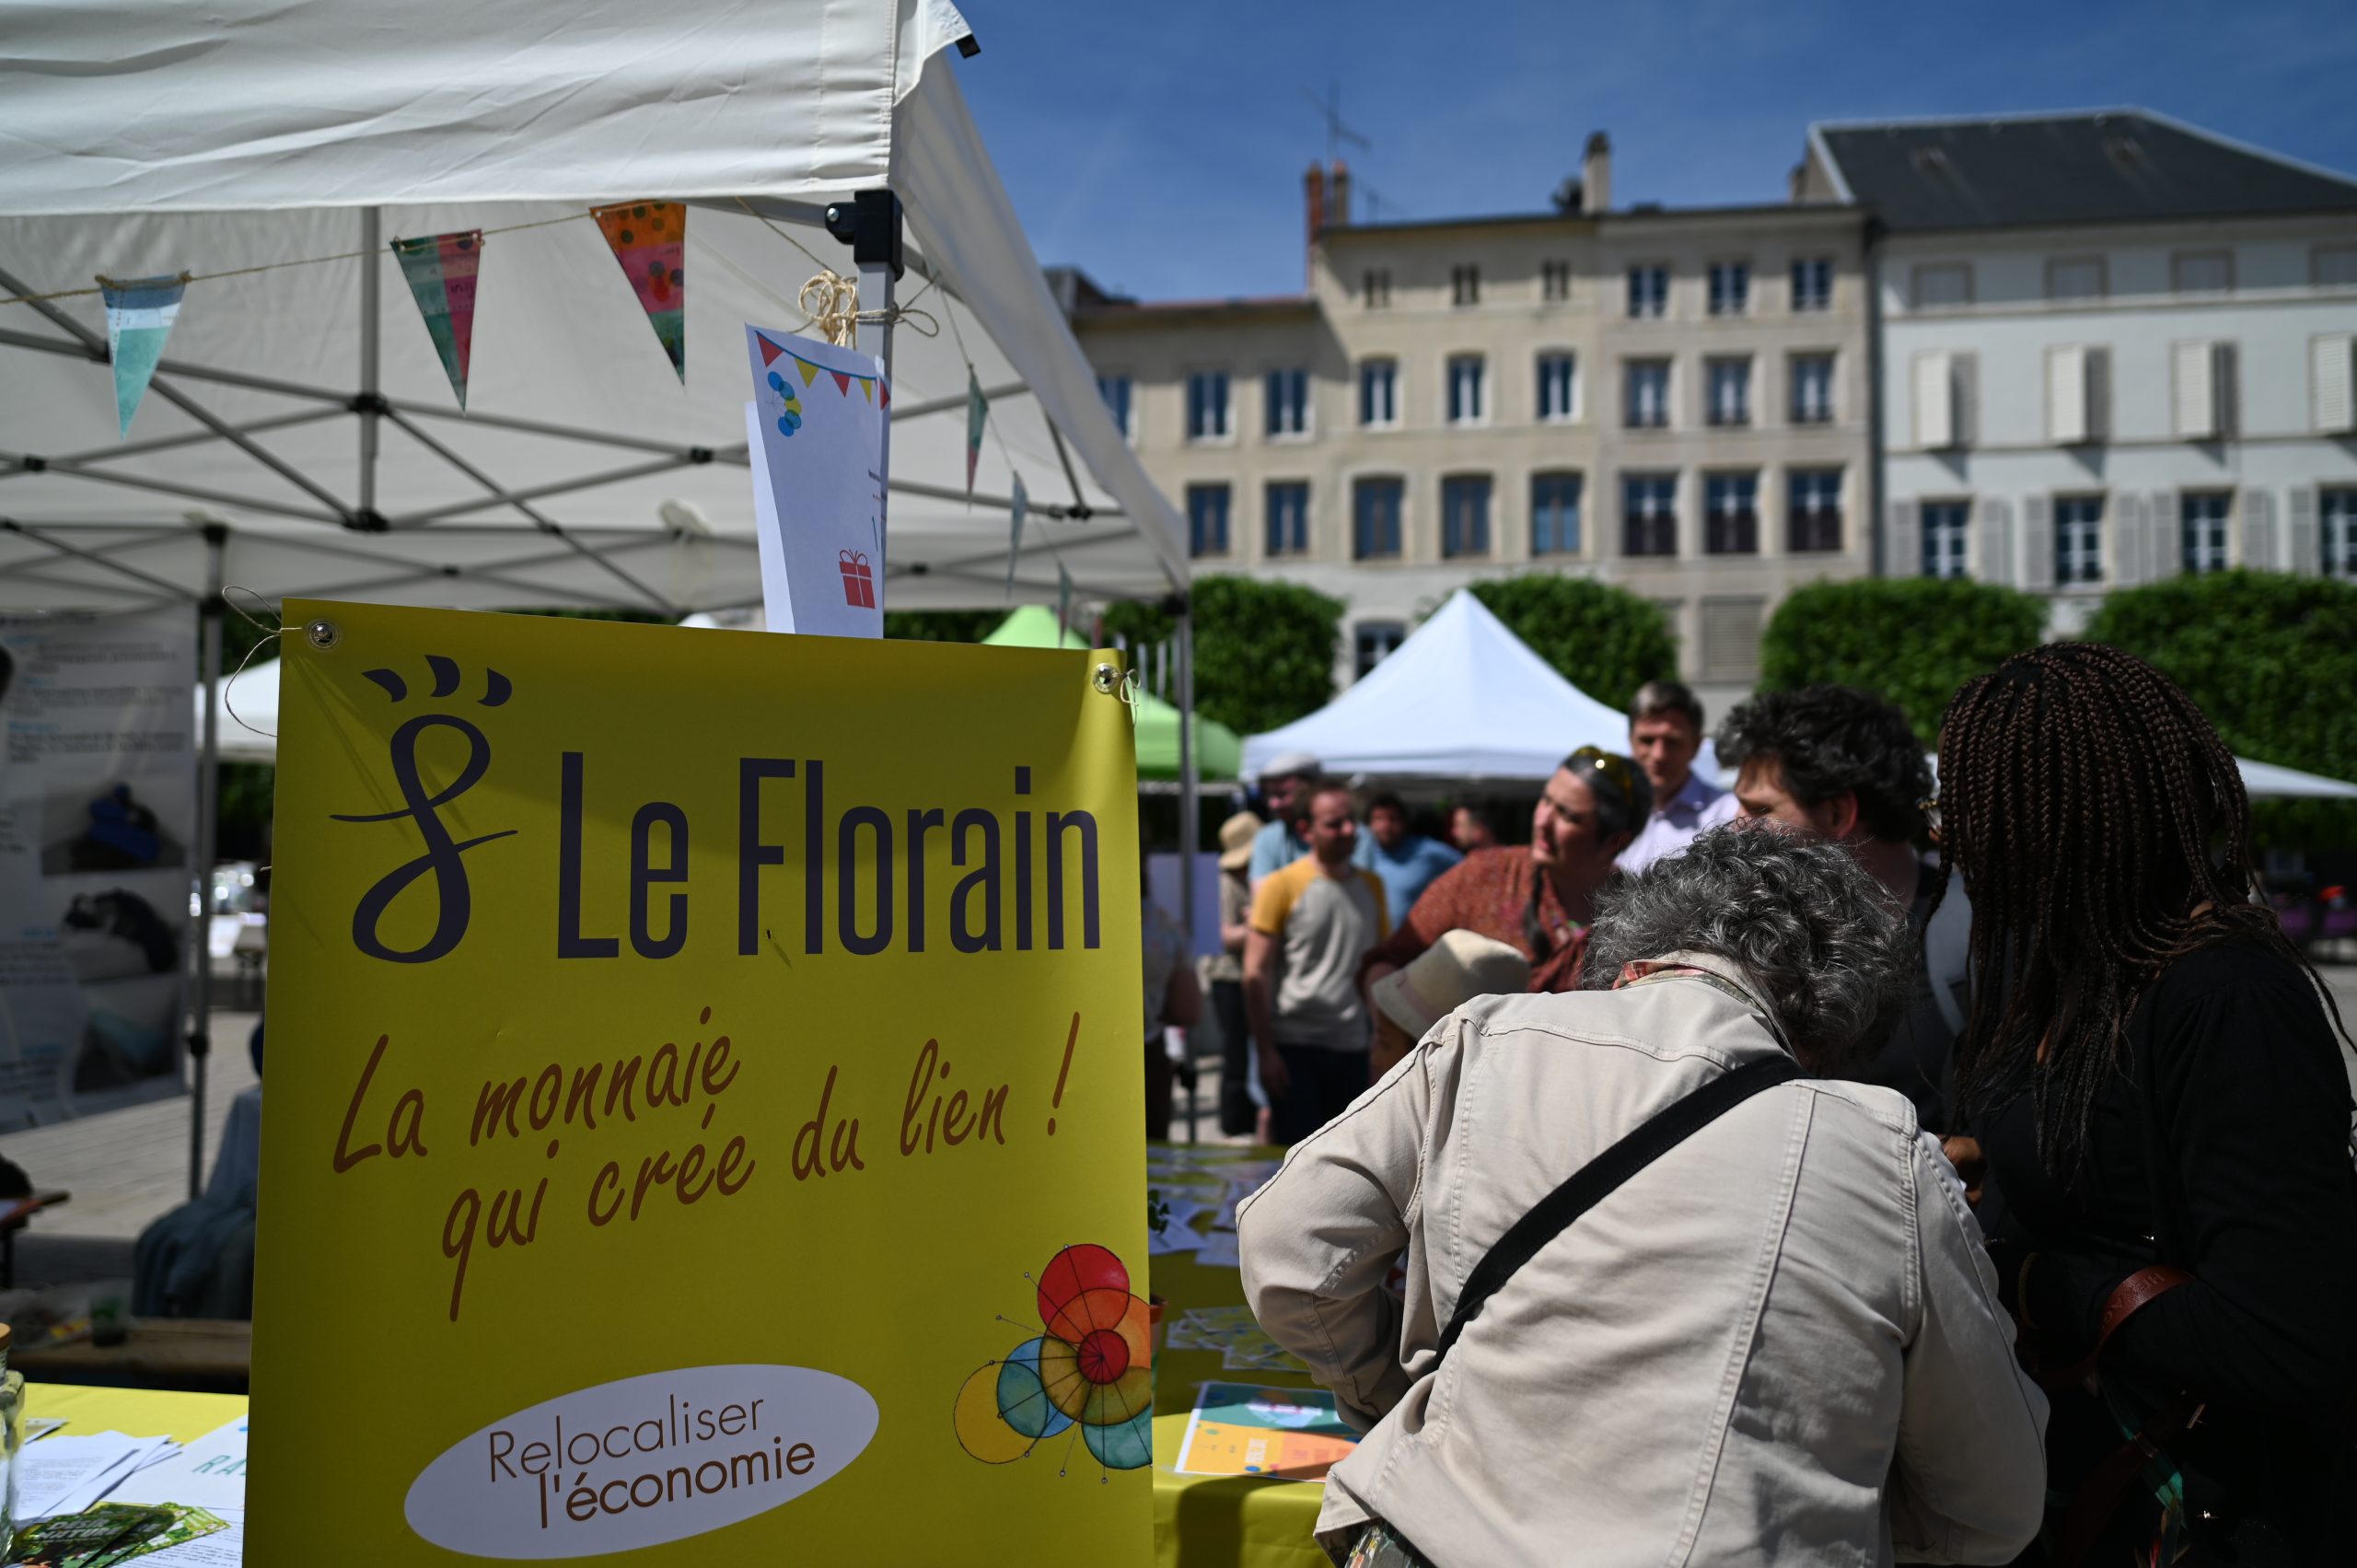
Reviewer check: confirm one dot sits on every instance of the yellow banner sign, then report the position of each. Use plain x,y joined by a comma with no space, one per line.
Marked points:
704,1101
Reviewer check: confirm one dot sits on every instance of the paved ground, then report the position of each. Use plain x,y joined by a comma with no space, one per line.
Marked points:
127,1167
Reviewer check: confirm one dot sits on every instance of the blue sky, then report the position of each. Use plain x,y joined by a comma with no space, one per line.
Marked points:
1162,148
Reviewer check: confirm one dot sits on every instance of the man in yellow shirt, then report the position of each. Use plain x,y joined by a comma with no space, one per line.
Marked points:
1312,923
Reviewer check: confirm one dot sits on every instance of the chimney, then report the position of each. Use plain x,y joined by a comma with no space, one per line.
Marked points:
1313,190
1338,196
1796,182
1596,174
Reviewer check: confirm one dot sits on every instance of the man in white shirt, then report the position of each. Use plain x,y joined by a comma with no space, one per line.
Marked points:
1665,733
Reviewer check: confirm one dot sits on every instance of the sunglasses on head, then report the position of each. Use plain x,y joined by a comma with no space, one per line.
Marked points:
1611,764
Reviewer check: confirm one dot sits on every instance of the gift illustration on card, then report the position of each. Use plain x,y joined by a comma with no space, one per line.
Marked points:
816,430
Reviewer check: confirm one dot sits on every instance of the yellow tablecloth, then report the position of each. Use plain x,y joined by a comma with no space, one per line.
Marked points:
135,1413
1203,1521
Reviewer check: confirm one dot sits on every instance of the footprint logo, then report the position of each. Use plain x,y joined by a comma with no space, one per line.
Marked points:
789,419
443,859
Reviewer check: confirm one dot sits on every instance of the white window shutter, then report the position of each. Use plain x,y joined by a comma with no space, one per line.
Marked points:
2258,530
2066,395
2197,403
2037,544
1934,400
2306,554
2098,407
1964,383
1996,563
1902,540
2129,564
2225,383
2336,399
2164,536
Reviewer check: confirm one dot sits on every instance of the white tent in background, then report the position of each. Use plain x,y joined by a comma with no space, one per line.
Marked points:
2265,781
1462,699
300,439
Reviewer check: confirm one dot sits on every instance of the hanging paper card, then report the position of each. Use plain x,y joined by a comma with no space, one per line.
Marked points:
440,270
139,318
818,458
649,239
1016,507
978,413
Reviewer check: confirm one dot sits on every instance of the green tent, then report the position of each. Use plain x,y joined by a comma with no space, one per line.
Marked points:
1218,752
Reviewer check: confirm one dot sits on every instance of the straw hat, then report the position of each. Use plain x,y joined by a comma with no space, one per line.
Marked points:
1235,837
1454,970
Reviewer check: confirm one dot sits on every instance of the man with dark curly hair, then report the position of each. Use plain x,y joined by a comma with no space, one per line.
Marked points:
1839,765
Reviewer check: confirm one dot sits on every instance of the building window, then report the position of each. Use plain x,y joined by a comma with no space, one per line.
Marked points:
2334,266
1465,388
1945,535
1558,387
1207,405
2075,277
2078,538
1730,288
1465,285
2204,531
2203,271
1942,285
1288,402
1812,510
2338,510
1554,514
1379,393
1813,283
1288,518
1115,391
1648,401
1374,288
1731,514
1465,516
1730,390
1648,291
1554,280
1374,520
1730,639
1649,514
1378,641
1207,519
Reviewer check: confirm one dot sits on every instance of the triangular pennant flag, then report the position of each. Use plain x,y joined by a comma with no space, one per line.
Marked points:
842,382
770,351
649,239
978,413
867,388
139,318
809,371
1064,601
883,393
1016,507
441,274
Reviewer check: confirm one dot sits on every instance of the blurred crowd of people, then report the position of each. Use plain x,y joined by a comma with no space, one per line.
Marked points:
1960,1175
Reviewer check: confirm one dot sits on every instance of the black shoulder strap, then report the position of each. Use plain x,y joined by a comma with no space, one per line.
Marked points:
1597,1180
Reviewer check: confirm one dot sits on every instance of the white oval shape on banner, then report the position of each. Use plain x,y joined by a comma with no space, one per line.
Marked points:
641,1462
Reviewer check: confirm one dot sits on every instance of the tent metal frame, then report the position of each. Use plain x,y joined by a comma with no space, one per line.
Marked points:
356,521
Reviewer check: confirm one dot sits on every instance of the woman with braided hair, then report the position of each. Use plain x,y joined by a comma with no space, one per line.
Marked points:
2160,1119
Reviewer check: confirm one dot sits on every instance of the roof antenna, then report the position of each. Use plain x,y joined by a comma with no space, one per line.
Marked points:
1331,109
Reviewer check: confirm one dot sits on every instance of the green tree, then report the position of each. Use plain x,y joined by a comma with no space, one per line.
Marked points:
1264,650
942,625
2271,658
1913,640
1605,641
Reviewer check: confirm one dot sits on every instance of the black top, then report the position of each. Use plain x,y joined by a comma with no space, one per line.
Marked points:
2257,1199
1916,1059
2117,165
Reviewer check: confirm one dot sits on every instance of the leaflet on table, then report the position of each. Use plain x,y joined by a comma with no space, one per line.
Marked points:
1238,1429
223,1548
1219,1248
65,1475
208,1473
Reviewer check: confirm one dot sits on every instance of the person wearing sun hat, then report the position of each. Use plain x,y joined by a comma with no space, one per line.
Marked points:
1224,975
1454,970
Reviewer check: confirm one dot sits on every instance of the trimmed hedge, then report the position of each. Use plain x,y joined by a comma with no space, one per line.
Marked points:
1264,650
1913,640
1604,640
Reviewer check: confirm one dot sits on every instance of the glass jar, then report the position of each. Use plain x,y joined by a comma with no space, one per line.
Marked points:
11,1423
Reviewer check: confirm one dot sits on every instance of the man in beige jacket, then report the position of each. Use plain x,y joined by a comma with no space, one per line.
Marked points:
1780,1343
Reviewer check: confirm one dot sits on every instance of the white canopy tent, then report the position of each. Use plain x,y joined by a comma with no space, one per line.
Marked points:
1462,699
300,439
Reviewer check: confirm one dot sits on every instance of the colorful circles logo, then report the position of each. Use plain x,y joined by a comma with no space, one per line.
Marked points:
1092,1369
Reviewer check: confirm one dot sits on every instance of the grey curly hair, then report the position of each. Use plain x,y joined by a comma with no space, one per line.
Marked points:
1818,936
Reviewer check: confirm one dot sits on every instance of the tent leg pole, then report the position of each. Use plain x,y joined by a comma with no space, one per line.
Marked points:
1188,813
208,805
371,400
876,291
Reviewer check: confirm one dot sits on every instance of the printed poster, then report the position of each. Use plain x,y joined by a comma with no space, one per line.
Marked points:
98,812
817,428
1238,1429
714,1135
